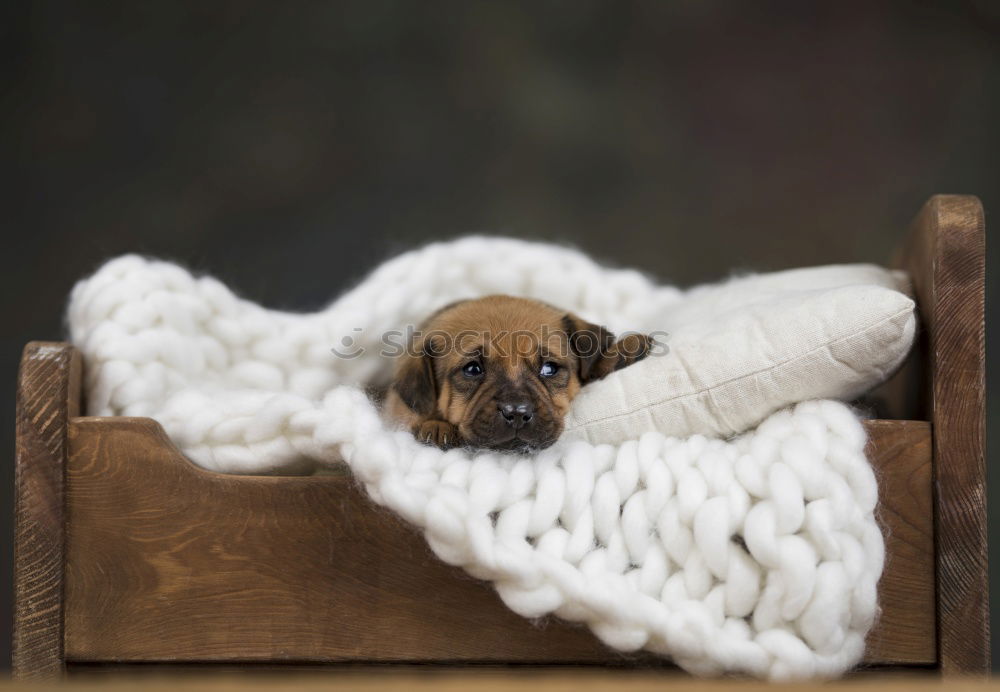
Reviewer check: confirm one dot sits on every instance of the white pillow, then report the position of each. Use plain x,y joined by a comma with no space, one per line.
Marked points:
740,350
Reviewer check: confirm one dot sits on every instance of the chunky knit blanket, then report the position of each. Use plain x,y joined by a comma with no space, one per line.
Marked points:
757,555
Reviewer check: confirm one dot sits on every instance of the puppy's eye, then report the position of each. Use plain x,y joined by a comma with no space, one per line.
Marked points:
549,369
472,369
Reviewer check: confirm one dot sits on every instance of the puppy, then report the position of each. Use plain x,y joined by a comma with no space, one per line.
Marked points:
500,372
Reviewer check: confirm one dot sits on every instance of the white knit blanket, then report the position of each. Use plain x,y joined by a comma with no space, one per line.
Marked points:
758,555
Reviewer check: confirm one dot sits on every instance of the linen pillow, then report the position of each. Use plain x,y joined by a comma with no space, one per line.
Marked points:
738,351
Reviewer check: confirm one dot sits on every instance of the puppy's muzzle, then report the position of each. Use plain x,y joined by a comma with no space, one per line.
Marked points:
516,414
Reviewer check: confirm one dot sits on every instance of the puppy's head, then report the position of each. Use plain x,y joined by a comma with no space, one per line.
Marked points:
502,370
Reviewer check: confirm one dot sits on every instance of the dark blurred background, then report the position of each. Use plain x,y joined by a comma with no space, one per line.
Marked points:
288,147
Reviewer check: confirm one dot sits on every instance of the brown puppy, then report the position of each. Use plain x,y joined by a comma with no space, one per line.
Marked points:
500,372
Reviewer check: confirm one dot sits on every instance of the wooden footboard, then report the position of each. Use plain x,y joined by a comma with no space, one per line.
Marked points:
167,562
128,553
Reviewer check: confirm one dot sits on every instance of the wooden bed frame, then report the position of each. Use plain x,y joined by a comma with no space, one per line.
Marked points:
126,553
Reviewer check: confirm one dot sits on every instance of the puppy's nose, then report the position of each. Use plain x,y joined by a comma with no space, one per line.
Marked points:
517,414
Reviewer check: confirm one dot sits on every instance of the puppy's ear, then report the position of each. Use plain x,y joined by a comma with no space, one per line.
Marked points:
416,383
593,346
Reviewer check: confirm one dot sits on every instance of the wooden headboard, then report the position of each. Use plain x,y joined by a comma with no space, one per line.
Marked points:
945,255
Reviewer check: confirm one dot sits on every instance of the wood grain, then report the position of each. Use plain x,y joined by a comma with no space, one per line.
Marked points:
900,452
946,258
168,562
48,394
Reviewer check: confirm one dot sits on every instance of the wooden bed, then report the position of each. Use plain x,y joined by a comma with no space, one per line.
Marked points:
126,553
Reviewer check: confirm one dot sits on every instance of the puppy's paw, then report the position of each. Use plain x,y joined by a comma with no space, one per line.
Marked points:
439,433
